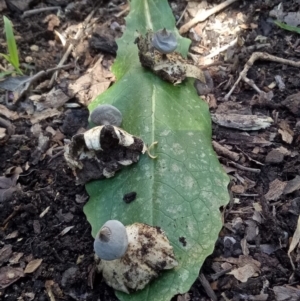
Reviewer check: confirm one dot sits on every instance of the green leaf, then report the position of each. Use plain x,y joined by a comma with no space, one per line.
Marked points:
287,27
182,190
11,44
5,73
5,56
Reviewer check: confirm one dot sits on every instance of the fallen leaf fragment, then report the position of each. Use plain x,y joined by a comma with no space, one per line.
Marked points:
52,20
56,98
295,242
9,275
15,257
38,116
93,83
257,206
12,235
32,266
8,113
244,273
48,286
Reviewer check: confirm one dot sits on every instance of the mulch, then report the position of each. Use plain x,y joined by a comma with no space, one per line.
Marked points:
46,249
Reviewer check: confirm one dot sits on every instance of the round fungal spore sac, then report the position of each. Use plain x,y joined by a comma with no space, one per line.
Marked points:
111,241
164,41
106,115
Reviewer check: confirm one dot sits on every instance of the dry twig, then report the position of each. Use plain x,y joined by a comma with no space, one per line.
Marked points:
12,215
39,10
202,16
207,288
223,151
241,167
254,57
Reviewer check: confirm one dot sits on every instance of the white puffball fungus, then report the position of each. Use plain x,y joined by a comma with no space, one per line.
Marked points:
148,253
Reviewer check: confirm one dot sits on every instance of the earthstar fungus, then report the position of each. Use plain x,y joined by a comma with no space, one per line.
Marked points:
148,253
102,151
156,53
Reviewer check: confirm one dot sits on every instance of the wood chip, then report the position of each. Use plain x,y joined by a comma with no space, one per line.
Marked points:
5,253
295,242
242,122
275,190
286,293
292,102
292,185
274,156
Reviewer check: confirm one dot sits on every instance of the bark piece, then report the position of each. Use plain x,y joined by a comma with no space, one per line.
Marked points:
242,122
287,134
292,185
286,293
292,102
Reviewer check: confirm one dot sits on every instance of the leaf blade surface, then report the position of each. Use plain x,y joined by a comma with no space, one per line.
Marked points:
180,191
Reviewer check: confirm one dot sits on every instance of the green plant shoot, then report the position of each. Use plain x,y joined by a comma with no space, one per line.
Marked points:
12,57
287,27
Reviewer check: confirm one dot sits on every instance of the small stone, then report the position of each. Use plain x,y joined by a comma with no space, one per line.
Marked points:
238,189
28,59
274,156
34,48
